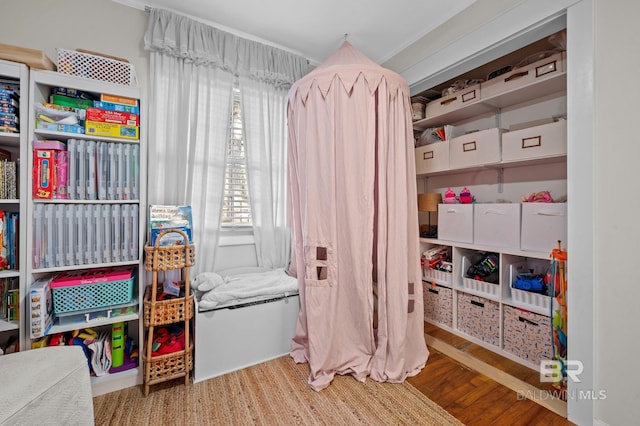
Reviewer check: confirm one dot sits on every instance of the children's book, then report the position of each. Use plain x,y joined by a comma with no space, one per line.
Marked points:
163,217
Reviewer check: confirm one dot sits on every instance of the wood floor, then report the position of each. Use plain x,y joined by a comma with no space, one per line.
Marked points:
474,398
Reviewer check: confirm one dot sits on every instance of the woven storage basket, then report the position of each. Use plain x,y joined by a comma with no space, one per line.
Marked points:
173,365
168,311
163,258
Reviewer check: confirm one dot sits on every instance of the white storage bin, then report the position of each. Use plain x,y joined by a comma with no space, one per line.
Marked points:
537,266
432,158
475,149
467,96
535,142
435,275
497,225
487,288
455,222
520,77
543,224
530,298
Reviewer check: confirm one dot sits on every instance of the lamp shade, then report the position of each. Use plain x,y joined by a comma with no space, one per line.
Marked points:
429,202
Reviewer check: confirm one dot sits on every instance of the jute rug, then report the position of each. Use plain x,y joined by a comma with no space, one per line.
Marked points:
272,393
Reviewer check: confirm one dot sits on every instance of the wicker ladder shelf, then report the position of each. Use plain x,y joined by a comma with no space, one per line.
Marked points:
161,368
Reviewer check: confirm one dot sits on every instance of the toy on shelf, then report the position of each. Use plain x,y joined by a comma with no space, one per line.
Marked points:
167,340
465,196
450,197
486,269
538,197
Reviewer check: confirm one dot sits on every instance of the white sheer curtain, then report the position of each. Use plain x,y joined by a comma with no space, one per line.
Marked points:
193,67
264,109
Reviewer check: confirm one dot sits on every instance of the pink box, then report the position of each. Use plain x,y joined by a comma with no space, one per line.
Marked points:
50,169
80,277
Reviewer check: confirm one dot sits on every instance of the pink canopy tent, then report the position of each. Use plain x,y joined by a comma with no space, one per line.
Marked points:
353,212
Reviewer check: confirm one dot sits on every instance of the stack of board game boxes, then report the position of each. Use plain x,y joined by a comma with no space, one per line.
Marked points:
76,111
9,104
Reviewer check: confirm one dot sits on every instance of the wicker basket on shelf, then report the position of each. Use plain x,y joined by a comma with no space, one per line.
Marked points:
160,312
163,258
166,367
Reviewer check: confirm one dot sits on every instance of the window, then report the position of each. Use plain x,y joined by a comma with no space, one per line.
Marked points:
236,208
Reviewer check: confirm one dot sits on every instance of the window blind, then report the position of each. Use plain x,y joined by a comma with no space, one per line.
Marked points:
236,209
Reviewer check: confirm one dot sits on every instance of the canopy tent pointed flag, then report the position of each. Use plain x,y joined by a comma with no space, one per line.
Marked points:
558,293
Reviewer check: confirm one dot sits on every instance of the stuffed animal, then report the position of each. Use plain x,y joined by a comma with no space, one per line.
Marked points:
538,197
449,197
465,196
206,281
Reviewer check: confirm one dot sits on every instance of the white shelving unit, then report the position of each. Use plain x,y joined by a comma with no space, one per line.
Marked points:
502,293
502,180
40,86
17,143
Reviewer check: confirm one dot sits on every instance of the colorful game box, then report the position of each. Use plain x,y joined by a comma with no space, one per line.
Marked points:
116,117
112,106
50,170
41,307
96,128
64,128
70,102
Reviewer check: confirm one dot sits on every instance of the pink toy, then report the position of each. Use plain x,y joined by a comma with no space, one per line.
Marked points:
538,197
449,197
465,196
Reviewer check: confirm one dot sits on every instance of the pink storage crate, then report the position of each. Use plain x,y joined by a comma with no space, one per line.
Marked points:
95,288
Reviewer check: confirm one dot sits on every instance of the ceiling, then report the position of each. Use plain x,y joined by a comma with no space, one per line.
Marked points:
315,29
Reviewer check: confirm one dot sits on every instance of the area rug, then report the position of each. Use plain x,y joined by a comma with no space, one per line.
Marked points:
272,393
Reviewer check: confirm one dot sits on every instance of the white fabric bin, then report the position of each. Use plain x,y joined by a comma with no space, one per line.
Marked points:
520,77
475,149
432,158
467,96
535,142
455,222
497,225
543,224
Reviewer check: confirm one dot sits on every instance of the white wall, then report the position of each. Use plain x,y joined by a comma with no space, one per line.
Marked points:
98,25
617,236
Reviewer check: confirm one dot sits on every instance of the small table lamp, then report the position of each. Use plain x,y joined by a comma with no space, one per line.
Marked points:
429,203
